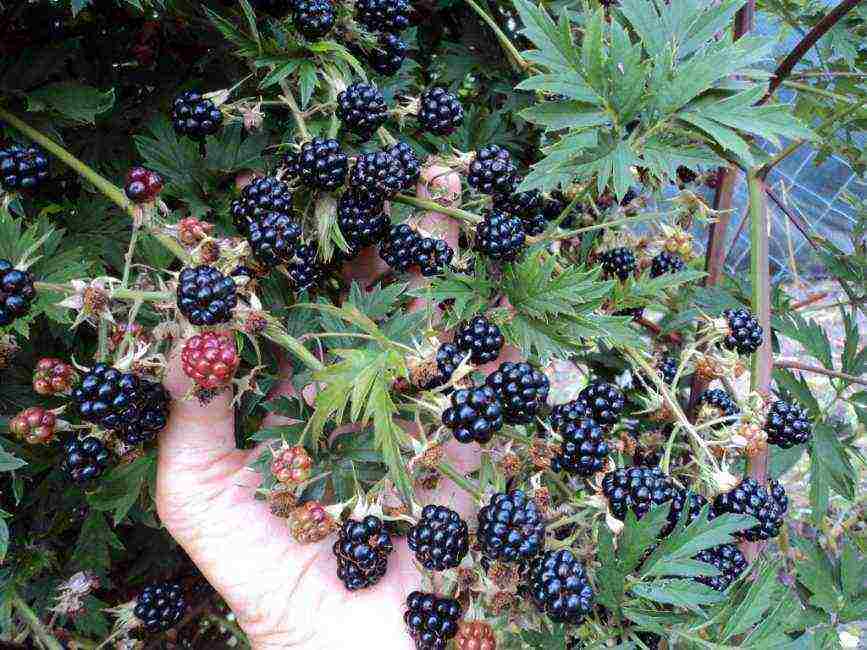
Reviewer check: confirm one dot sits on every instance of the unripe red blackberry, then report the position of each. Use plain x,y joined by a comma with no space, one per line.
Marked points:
362,551
291,465
439,111
788,425
583,450
511,528
666,262
160,606
745,334
52,376
35,425
305,270
432,620
618,262
725,558
475,635
481,338
605,401
388,55
84,460
636,489
383,15
206,296
500,236
22,168
263,215
475,415
409,163
521,388
440,539
194,116
313,18
377,175
310,523
210,359
361,109
16,293
320,164
142,185
750,498
560,588
362,219
492,171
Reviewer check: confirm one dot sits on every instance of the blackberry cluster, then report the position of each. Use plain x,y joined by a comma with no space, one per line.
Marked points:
320,164
160,606
605,401
667,369
725,558
383,15
750,498
377,175
16,293
432,620
788,425
22,168
362,220
361,108
432,256
397,248
362,549
574,411
409,163
475,415
84,460
206,296
134,407
492,171
440,539
684,499
618,262
560,588
194,116
636,489
666,262
720,401
262,215
481,338
527,206
313,18
511,528
521,389
388,55
304,270
500,236
778,494
142,185
583,450
448,359
745,334
439,111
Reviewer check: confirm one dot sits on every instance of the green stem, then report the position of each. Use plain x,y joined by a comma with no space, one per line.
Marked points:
34,623
145,296
172,245
102,341
527,440
130,252
294,346
289,98
807,88
569,234
452,474
511,50
560,485
433,206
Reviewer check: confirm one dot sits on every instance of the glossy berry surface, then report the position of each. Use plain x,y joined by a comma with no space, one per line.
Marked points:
362,551
500,236
618,262
583,450
440,539
142,185
719,402
17,292
52,376
521,388
788,425
480,337
161,606
361,109
745,334
206,296
439,111
314,19
34,425
263,215
194,116
574,411
725,558
210,359
475,415
605,401
320,164
667,369
448,358
362,220
84,460
397,248
304,269
383,15
431,620
22,168
527,206
492,171
560,588
377,175
666,262
388,55
291,465
511,528
636,489
409,164
432,256
750,498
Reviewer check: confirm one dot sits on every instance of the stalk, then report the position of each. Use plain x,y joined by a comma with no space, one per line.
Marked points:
519,61
34,623
455,477
433,206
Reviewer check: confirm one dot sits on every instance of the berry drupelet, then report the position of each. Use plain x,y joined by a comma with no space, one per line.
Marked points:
745,334
432,256
362,220
682,500
206,296
142,185
527,206
313,18
500,236
432,620
492,171
583,450
448,358
475,415
574,411
304,269
750,498
511,528
521,389
291,465
439,111
320,164
410,165
397,248
195,116
788,425
35,425
636,489
481,338
725,558
362,549
560,588
84,460
361,109
383,15
160,606
16,293
52,376
619,262
22,168
667,369
605,401
719,402
377,175
210,359
666,262
476,635
262,215
440,539
388,55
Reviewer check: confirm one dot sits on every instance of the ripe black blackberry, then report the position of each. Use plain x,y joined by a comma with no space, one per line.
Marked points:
397,248
439,111
574,411
304,270
410,166
521,389
666,262
619,262
667,369
362,220
500,236
511,528
745,334
684,499
440,539
432,620
778,494
206,296
721,403
492,171
788,425
194,116
750,498
362,549
134,407
84,460
361,108
475,415
685,176
383,15
320,164
16,293
481,338
160,606
605,400
560,588
448,358
637,489
260,198
22,168
432,256
388,55
725,558
583,450
313,18
377,175
527,206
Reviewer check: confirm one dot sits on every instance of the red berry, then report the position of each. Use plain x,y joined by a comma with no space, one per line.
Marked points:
310,523
142,185
53,376
291,465
34,425
210,359
475,635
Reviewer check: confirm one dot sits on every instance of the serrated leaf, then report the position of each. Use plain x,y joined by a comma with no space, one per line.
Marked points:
92,550
610,576
668,568
753,599
639,535
72,100
9,463
565,115
120,489
555,47
688,594
809,334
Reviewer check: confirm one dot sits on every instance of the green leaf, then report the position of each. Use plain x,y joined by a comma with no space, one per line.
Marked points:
610,576
308,78
688,594
546,639
752,600
565,115
809,334
469,293
120,489
234,150
4,539
668,568
555,46
72,100
9,463
639,535
95,542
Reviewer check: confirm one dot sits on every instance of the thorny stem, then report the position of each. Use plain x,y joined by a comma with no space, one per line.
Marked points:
433,206
508,46
289,98
794,365
34,623
294,346
130,252
455,477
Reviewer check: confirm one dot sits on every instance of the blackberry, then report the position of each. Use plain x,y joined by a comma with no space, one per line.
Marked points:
527,206
492,171
500,236
685,176
304,270
475,415
397,248
361,108
16,293
750,498
377,175
206,296
605,400
560,588
362,220
564,414
134,407
313,18
637,489
448,359
160,606
432,256
481,338
583,451
511,528
554,206
262,215
142,185
410,166
84,460
788,425
745,334
684,499
383,15
725,558
720,401
521,389
666,262
667,369
778,494
440,539
22,168
432,620
362,549
619,262
320,164
194,116
388,55
439,111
